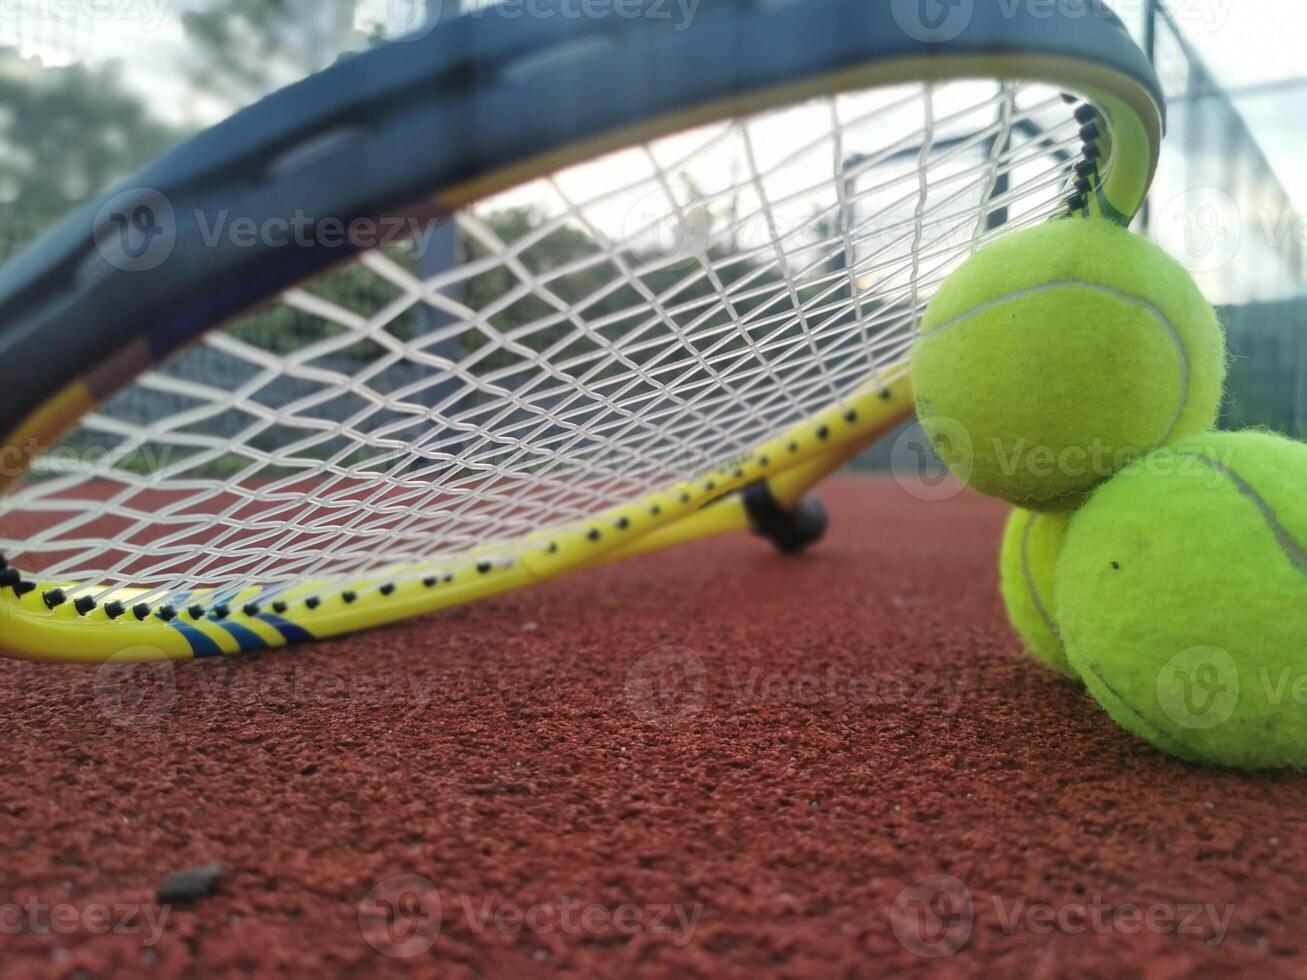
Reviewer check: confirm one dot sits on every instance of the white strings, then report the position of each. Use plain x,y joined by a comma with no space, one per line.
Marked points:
553,351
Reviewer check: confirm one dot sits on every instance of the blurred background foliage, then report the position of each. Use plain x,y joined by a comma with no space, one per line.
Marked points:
73,122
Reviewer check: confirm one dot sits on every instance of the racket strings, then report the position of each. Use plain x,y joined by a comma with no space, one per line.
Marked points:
553,351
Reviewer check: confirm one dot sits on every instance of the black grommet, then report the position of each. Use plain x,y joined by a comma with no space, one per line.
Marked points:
251,609
313,602
1090,132
1086,113
850,416
553,548
9,577
886,394
387,589
484,567
430,581
167,613
279,607
1091,151
764,461
22,588
623,523
1086,168
196,612
4,562
349,596
114,609
823,432
84,605
710,486
221,611
53,598
685,498
448,577
593,534
738,474
794,447
141,611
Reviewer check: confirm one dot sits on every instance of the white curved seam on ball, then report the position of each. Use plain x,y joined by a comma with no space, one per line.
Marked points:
1030,579
1176,743
1292,550
1048,287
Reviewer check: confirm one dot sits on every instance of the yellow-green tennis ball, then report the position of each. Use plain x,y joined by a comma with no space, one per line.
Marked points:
1058,353
1182,599
1032,543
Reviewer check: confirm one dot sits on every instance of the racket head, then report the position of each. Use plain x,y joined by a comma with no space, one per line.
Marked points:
436,127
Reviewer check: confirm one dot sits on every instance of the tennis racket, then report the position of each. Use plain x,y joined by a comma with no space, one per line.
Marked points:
515,298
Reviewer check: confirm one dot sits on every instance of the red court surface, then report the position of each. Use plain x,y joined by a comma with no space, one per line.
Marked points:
713,762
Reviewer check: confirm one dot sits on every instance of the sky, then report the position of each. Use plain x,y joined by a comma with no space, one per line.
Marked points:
1251,42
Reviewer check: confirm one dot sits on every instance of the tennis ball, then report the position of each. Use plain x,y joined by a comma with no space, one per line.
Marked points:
1058,353
1182,599
1032,543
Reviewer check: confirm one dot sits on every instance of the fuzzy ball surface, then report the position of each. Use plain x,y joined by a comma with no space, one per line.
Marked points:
1182,599
1057,354
1032,544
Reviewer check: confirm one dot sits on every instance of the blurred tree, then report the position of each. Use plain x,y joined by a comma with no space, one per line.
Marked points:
66,134
243,49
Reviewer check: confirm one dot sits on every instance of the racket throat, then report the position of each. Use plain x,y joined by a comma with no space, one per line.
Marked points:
791,531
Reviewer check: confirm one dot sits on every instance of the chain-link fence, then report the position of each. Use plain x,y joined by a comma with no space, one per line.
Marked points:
1219,206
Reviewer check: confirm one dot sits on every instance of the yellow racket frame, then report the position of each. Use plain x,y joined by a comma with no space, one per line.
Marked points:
790,463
